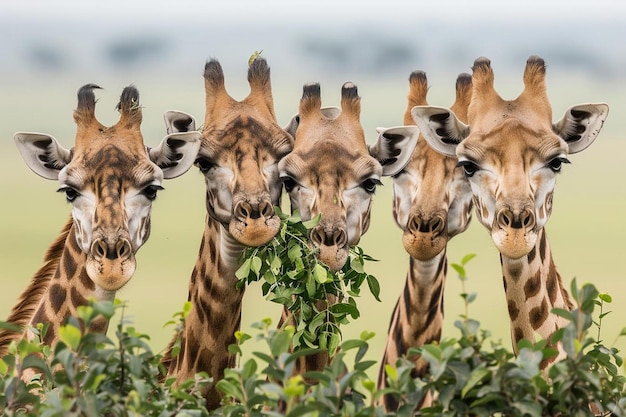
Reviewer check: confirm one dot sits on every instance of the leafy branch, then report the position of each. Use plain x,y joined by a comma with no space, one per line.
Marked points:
316,299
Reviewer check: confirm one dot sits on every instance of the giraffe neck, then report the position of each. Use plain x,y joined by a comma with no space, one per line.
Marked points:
417,317
69,287
533,287
215,315
56,290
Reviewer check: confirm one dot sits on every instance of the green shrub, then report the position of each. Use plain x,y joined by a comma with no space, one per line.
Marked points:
91,375
471,375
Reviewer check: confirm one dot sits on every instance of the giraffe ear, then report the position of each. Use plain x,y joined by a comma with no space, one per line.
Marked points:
581,124
178,121
440,127
42,153
394,147
331,113
176,153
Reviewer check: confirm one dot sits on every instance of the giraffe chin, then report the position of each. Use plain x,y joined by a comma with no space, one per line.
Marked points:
514,243
423,246
110,275
254,232
333,256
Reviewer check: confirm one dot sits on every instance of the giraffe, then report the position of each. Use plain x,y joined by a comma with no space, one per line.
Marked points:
511,153
331,172
241,146
432,203
111,179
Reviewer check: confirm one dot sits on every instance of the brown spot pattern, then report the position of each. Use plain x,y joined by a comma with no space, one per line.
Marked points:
538,315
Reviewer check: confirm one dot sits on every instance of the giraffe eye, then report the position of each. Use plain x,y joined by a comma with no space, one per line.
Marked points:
370,184
204,164
151,191
469,168
70,193
289,183
556,163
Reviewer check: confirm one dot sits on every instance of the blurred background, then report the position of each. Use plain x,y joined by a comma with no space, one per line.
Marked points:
50,49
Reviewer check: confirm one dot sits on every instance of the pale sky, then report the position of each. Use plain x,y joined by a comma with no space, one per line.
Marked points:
402,10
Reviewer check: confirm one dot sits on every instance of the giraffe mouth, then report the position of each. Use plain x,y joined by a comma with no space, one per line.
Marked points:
254,232
514,243
333,256
424,246
111,274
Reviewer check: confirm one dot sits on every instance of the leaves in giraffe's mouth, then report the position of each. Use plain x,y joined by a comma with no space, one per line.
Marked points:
316,299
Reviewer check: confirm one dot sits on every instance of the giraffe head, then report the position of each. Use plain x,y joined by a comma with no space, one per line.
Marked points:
110,178
330,172
241,146
432,197
511,151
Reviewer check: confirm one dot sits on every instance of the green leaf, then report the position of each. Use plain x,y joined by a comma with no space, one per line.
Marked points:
345,308
459,270
374,286
254,56
320,273
249,368
357,264
467,258
476,376
230,390
255,265
71,336
310,224
244,269
605,297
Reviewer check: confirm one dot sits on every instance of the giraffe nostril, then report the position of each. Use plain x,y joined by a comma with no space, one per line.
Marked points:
414,225
340,238
528,219
243,210
266,209
123,248
505,218
317,236
99,248
437,224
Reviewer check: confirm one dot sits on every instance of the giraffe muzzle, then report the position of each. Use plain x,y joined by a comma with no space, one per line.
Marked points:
332,244
514,232
425,237
111,265
254,224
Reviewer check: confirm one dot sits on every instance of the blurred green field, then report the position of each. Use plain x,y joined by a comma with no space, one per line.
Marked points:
586,231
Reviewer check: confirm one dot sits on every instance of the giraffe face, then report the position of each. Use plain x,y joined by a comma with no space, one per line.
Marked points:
433,199
330,172
513,190
511,151
111,193
432,202
110,181
240,165
241,146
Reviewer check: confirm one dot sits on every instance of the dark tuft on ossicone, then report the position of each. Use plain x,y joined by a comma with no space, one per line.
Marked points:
87,98
213,72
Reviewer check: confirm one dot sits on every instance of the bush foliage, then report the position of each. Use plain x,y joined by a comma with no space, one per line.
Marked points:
470,375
